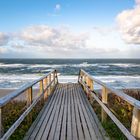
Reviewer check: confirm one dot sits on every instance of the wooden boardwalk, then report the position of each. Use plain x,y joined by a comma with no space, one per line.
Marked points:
66,116
67,113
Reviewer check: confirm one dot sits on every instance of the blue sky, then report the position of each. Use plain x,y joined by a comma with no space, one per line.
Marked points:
90,24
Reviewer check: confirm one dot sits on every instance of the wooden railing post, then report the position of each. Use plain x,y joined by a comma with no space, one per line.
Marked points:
29,102
135,125
91,84
91,88
49,83
46,90
104,100
41,87
29,96
54,79
1,126
88,84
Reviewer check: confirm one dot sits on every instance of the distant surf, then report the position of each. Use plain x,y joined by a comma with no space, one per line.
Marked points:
119,73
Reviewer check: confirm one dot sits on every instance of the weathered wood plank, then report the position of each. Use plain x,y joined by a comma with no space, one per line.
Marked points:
45,128
64,123
69,122
60,118
89,124
98,129
56,115
78,121
41,121
74,122
66,117
82,117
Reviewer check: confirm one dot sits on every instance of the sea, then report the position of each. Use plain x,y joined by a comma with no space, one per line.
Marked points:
118,73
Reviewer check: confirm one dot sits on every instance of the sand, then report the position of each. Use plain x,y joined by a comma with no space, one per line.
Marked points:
4,92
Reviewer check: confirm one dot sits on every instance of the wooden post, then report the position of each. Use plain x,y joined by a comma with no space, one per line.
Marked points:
29,96
54,79
1,126
41,87
104,100
88,84
49,83
29,102
91,88
135,125
46,84
84,80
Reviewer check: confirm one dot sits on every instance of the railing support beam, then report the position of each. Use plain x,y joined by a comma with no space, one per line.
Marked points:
46,92
135,125
104,100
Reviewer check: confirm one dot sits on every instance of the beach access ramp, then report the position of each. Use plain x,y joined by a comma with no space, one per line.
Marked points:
66,113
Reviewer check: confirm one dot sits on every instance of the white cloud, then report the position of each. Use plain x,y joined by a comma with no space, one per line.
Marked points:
129,24
57,7
137,1
4,38
3,50
50,37
43,41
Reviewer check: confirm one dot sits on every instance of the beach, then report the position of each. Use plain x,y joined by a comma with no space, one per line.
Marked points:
118,73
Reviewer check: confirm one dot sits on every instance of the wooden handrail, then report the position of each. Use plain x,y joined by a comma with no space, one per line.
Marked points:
121,94
88,85
30,101
4,100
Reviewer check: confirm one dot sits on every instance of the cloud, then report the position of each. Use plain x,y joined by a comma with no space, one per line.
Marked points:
138,2
50,37
4,38
3,50
57,7
129,24
104,30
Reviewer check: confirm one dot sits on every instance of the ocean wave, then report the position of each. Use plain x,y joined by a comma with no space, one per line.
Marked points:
15,81
125,65
12,65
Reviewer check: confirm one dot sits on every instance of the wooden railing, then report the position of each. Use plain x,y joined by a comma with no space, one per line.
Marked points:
88,82
46,85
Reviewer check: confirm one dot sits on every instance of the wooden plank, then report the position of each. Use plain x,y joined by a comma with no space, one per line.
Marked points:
115,120
69,122
90,128
60,118
56,115
64,124
74,122
45,127
78,121
98,129
66,116
41,121
30,131
83,119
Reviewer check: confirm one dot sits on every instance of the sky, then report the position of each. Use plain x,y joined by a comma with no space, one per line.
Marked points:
70,29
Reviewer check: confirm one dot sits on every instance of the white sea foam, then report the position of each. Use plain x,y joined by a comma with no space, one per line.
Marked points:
11,65
125,65
15,81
